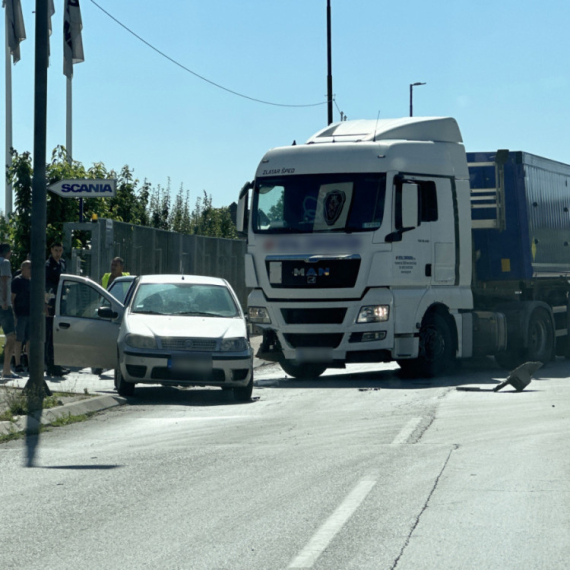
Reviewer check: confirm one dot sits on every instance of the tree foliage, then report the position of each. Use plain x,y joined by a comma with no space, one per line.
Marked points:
135,203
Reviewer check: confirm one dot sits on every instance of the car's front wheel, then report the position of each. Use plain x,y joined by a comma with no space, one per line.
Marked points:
244,394
124,388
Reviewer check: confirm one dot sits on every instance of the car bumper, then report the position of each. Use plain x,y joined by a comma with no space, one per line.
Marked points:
145,367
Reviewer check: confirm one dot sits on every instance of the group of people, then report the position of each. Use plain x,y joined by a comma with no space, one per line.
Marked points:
15,306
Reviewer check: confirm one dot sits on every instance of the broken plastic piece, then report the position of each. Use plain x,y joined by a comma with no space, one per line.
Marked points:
520,377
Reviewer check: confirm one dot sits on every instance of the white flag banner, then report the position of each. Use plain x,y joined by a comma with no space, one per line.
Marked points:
72,42
16,30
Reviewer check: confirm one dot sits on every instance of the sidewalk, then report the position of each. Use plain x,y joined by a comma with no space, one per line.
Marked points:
82,381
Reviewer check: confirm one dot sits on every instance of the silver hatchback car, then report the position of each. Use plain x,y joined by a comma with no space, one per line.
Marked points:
171,329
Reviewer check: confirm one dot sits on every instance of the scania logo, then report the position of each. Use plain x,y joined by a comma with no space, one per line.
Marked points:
333,204
188,344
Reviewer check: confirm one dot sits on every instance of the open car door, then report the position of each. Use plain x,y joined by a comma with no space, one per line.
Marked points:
81,336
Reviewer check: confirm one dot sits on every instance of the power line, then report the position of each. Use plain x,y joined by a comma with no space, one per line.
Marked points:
197,74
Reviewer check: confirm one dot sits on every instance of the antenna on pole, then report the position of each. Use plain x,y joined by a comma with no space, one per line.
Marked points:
329,61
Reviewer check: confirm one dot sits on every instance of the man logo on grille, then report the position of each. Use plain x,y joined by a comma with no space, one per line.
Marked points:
333,204
188,344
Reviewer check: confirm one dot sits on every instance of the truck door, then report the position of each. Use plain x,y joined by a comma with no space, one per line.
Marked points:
411,245
442,216
80,336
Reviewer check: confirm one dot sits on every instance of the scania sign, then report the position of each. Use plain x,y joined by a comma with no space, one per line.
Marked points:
84,188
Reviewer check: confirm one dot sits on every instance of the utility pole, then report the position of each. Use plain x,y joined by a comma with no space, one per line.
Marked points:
329,59
36,386
412,85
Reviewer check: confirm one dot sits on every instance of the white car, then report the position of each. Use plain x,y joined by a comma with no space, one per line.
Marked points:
181,330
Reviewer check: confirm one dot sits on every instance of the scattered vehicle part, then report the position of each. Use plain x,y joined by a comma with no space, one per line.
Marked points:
520,377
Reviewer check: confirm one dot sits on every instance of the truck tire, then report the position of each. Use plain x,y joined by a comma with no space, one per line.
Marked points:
541,338
436,349
541,343
303,371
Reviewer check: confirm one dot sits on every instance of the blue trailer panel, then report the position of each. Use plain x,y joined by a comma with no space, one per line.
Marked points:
521,230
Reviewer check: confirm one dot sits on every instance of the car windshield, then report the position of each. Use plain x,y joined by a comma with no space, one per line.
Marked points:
184,299
319,203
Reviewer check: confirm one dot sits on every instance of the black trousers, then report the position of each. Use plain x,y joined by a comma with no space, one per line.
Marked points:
49,357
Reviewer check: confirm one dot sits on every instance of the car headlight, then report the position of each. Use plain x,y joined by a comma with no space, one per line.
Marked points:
233,345
140,341
259,315
373,314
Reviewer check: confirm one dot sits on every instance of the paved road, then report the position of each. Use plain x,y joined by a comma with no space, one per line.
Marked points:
358,469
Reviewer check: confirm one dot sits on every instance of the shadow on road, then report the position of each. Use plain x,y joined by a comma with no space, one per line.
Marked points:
483,372
195,397
104,467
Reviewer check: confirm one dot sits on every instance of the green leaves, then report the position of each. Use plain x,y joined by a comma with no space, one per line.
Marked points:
134,203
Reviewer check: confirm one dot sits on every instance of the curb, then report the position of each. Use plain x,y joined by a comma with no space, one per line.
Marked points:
89,405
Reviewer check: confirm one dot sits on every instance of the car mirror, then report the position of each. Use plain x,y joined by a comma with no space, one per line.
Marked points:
107,313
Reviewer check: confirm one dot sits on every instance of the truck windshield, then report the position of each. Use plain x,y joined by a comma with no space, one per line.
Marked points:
319,203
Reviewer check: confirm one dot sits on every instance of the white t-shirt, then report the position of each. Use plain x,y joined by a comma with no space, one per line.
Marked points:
5,271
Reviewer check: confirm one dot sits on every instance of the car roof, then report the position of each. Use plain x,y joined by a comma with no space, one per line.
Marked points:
193,279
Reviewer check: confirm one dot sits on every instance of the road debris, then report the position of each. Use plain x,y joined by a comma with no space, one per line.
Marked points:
520,377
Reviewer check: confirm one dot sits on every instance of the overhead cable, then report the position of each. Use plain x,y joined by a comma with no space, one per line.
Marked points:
197,74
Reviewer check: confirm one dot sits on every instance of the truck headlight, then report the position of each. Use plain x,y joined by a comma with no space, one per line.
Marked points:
373,314
233,345
140,341
259,315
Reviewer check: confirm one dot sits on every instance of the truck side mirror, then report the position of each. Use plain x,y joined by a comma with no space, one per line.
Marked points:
410,206
241,213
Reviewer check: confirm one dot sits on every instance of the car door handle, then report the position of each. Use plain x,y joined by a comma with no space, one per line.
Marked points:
64,325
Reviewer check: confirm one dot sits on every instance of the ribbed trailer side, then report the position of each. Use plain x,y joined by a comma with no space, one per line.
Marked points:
521,216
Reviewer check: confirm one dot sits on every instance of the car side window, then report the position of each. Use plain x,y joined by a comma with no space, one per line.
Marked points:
80,300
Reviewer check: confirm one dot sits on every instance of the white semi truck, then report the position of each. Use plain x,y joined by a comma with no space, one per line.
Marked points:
383,240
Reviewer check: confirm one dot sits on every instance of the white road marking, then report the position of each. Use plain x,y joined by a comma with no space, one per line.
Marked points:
322,538
406,431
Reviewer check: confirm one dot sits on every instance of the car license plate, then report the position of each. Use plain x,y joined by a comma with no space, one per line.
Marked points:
198,363
313,355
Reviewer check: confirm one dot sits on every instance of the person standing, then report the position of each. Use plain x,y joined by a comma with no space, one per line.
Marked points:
55,266
6,313
117,270
21,303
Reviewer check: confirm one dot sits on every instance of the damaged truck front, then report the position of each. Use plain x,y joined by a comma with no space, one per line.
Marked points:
383,240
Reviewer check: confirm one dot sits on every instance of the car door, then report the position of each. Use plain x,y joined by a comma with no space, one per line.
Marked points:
80,336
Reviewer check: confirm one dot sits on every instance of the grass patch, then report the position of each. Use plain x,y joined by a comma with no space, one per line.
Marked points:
69,419
59,422
13,402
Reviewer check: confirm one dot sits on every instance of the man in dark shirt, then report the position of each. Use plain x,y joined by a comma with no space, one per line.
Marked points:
21,304
55,266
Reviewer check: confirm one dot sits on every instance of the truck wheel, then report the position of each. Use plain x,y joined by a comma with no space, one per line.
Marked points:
541,343
540,337
436,349
303,371
124,388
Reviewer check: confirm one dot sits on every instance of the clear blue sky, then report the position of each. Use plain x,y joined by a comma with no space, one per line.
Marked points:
500,67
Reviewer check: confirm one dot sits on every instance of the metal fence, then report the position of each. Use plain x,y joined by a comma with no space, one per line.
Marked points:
151,251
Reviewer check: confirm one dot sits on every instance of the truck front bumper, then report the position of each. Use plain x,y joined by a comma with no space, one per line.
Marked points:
327,331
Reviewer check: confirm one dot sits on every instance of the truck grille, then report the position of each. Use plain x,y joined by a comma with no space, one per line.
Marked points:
314,316
197,344
314,340
322,274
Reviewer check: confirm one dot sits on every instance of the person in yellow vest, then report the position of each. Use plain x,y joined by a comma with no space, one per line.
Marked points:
117,266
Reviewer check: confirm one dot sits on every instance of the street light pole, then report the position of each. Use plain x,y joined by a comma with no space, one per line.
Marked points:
412,85
329,66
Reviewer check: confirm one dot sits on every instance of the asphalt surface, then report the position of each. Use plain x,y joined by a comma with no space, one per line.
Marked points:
357,469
